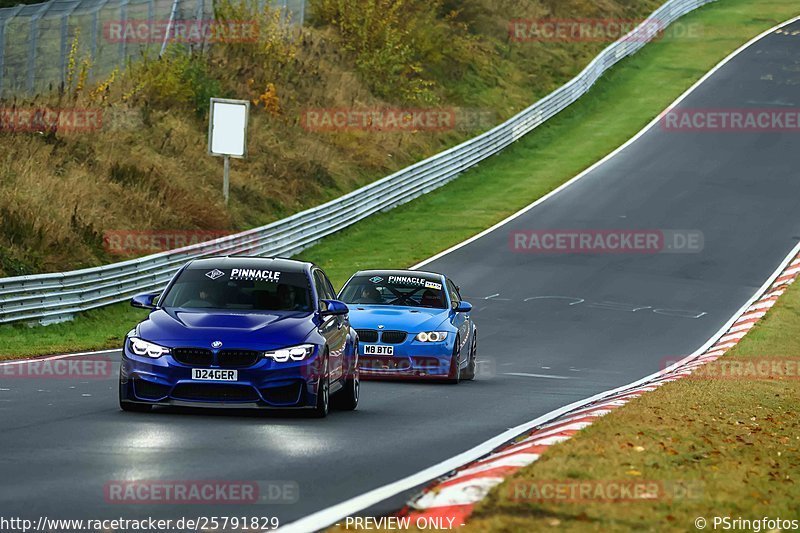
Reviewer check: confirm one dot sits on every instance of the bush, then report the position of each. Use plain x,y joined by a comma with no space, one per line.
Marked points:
269,59
385,36
177,79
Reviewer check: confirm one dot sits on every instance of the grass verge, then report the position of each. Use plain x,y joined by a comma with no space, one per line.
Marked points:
616,108
732,443
93,330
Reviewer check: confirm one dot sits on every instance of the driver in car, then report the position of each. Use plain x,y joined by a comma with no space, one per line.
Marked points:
370,295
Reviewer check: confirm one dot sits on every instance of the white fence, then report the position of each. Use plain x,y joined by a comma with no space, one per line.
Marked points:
36,40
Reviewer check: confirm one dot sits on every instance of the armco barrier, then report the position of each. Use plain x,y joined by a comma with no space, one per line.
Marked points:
54,297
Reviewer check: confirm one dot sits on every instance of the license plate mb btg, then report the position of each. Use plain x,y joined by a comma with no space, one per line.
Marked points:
374,349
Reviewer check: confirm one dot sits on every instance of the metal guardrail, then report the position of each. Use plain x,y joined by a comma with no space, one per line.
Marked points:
36,40
54,297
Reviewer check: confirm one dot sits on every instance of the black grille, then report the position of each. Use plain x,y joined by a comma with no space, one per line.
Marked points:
283,395
147,389
367,335
193,356
237,358
393,337
216,392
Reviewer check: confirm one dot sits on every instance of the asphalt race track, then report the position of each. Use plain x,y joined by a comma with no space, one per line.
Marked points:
616,319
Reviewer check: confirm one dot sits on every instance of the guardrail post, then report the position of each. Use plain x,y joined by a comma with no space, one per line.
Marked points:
96,31
32,52
168,33
64,47
199,15
150,21
34,40
95,34
123,12
2,54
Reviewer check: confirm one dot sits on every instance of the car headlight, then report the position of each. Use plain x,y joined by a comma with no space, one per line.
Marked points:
292,353
143,347
431,336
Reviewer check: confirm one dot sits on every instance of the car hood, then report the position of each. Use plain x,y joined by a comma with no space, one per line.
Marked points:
263,330
411,319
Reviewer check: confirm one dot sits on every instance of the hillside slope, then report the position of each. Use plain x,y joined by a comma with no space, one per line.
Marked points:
144,167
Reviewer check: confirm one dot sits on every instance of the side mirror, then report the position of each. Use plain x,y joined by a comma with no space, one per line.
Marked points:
463,307
334,308
146,300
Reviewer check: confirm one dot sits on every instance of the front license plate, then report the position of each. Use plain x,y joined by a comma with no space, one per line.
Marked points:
374,349
214,374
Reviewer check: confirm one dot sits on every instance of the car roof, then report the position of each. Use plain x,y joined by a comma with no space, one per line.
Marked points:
388,272
265,263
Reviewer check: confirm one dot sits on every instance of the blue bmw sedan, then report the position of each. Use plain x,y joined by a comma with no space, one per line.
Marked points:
242,332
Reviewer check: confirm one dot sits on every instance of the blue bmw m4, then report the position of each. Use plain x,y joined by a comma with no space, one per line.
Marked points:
242,332
411,324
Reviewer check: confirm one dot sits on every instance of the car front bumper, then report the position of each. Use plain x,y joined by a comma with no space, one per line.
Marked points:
411,359
265,385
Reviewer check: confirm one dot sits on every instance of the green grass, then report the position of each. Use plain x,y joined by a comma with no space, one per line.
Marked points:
619,105
733,442
92,330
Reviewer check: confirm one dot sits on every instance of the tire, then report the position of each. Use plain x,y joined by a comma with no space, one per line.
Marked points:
347,398
469,372
322,407
454,375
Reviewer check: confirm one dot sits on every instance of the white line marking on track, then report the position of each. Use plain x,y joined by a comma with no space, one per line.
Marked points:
527,375
54,357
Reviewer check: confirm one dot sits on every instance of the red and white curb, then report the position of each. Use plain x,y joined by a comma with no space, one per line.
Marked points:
454,497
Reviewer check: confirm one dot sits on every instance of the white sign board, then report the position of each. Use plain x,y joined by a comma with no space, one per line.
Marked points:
227,127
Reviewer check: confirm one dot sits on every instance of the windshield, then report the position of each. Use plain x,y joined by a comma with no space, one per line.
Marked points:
239,289
408,291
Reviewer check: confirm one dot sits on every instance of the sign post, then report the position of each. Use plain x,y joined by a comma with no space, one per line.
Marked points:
227,134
